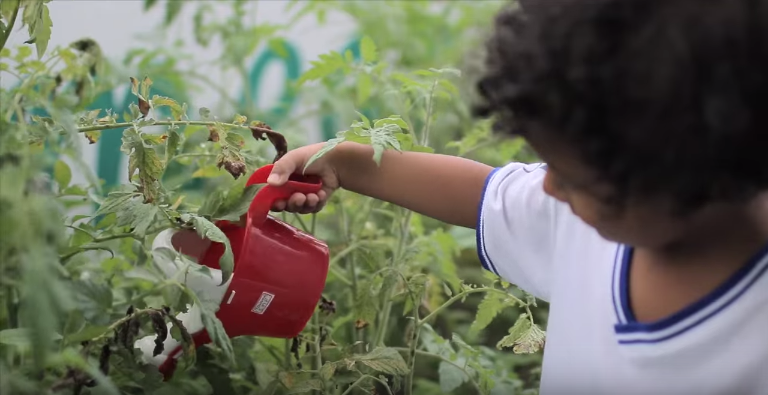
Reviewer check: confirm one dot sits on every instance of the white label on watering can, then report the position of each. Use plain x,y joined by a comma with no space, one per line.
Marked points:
263,303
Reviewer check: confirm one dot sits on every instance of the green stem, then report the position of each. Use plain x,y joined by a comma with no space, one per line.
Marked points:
114,237
412,350
63,259
446,360
461,296
287,353
192,155
430,108
122,125
9,28
387,310
360,381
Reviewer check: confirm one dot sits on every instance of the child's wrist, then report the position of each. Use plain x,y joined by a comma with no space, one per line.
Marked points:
349,161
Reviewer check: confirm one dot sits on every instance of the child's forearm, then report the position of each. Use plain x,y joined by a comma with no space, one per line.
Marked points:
443,187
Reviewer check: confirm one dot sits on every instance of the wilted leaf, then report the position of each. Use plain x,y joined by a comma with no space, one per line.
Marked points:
145,161
93,136
260,129
524,337
189,353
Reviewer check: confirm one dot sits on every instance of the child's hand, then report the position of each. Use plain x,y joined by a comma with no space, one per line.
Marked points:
293,162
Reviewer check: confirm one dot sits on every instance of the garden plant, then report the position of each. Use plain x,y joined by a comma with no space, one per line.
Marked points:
406,308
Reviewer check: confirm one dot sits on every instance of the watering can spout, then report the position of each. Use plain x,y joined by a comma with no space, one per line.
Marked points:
277,281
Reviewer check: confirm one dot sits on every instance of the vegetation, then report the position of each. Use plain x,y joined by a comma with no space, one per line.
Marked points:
406,308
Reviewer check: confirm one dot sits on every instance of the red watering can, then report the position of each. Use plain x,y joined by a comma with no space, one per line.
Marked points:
278,277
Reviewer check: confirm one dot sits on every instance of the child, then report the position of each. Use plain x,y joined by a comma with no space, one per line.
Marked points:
647,228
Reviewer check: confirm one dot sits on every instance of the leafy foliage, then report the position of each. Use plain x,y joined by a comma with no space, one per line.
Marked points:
82,281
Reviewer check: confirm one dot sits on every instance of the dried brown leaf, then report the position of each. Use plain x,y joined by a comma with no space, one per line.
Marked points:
262,131
143,107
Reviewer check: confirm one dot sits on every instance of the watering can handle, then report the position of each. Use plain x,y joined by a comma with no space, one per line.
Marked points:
264,199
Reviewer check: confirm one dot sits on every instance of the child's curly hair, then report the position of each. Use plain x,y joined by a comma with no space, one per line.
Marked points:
662,98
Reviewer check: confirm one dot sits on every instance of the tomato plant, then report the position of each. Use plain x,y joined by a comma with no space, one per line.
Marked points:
80,283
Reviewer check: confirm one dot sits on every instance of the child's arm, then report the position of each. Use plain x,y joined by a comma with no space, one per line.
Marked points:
444,187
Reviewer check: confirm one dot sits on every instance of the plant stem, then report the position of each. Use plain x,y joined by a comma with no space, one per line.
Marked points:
412,350
461,296
386,312
9,28
430,108
360,380
121,125
446,360
63,259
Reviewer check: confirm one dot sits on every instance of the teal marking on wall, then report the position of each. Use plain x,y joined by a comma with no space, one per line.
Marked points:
292,65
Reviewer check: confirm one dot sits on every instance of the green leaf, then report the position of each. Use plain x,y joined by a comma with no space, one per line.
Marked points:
327,371
87,333
212,202
491,305
172,145
139,216
7,7
20,337
327,64
450,377
235,205
368,51
62,174
327,147
216,331
364,88
208,230
42,30
176,110
383,359
306,386
115,201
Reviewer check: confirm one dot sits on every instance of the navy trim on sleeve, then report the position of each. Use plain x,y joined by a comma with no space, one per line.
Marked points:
485,260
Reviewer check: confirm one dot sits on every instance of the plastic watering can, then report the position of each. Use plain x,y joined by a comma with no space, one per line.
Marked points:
279,273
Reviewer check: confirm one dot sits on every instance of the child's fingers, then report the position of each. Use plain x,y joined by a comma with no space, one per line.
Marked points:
301,203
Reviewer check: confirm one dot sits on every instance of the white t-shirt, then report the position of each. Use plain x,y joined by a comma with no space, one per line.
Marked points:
718,345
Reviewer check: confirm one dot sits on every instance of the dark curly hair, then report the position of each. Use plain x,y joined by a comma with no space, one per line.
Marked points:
662,98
